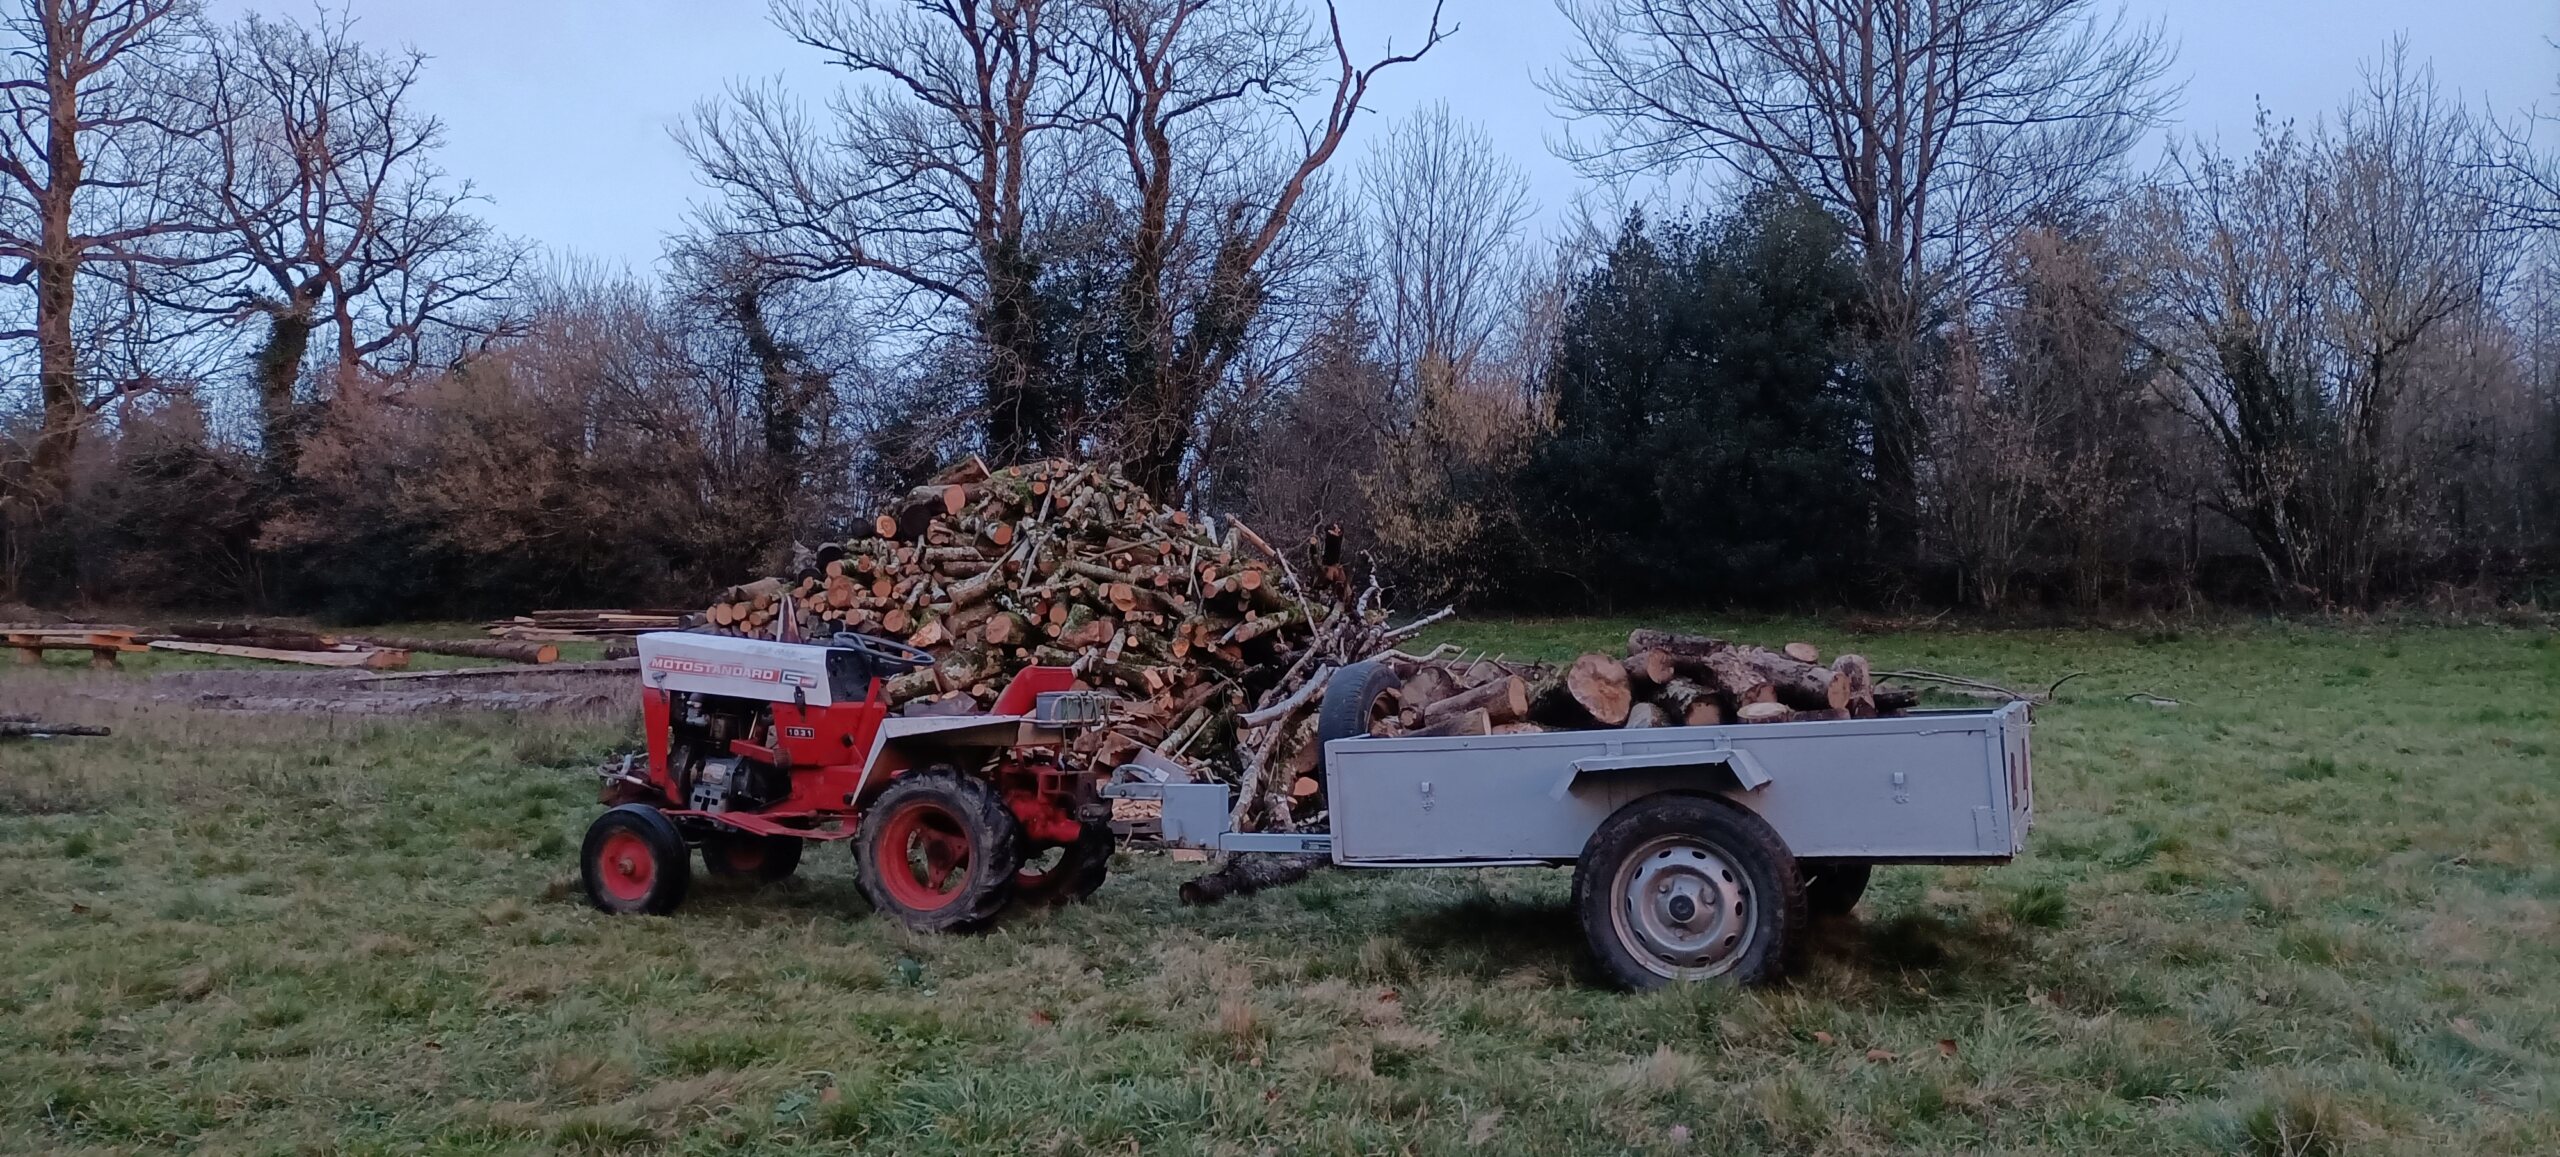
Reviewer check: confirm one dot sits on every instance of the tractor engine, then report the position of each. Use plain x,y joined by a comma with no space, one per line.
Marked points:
707,777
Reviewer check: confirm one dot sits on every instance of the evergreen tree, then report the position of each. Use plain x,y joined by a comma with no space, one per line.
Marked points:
1710,442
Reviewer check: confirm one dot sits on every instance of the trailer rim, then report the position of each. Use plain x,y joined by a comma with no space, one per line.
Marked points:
1684,908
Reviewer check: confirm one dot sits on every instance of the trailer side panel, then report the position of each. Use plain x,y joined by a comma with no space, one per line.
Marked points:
1930,786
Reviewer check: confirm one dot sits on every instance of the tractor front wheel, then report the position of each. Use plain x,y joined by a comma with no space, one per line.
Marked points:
764,859
939,851
634,862
1074,876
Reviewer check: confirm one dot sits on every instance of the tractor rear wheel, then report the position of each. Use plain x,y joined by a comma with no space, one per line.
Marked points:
766,859
939,850
1075,876
634,862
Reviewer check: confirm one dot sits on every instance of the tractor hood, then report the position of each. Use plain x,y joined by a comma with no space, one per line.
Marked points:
738,668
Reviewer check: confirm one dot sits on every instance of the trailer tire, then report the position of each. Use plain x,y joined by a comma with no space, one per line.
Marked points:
1833,889
1678,887
1351,703
938,850
765,859
634,862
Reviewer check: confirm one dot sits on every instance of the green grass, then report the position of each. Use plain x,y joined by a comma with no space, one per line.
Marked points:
2314,909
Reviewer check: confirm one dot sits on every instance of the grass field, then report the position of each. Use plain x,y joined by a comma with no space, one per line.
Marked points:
2313,909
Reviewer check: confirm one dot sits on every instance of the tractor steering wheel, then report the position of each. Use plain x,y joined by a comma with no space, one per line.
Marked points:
885,653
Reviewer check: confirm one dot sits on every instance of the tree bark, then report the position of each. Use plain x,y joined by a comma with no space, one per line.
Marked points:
1593,691
1642,639
1802,686
1862,684
1742,683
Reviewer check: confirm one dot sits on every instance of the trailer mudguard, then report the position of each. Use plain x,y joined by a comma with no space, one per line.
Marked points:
1724,768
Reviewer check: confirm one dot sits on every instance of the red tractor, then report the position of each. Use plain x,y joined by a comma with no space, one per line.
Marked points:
758,748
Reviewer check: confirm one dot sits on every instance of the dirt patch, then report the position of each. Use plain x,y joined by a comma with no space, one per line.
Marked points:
351,693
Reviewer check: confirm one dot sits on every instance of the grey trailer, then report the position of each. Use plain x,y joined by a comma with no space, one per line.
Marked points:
1698,852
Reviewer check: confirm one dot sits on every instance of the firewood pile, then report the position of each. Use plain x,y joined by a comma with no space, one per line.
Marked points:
1057,563
1663,680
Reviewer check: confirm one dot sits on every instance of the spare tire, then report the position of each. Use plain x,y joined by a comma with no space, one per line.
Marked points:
1352,702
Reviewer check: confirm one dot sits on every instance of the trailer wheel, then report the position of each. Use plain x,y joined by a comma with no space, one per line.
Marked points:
939,850
1688,887
1833,889
1354,701
634,862
767,859
1074,878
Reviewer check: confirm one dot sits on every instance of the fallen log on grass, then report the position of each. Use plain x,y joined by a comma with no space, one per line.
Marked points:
26,728
1246,875
510,651
264,635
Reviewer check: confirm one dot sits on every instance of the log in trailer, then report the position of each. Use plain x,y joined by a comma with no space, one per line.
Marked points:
1698,852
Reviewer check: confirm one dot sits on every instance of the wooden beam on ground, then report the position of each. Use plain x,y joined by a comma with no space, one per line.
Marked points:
378,660
518,672
502,650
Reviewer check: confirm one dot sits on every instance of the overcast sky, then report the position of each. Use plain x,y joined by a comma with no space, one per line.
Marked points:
559,109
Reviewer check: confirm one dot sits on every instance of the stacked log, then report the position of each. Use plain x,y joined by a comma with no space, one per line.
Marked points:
571,626
1695,680
1058,563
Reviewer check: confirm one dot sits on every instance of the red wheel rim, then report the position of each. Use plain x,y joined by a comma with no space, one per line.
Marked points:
923,857
1033,873
626,866
744,855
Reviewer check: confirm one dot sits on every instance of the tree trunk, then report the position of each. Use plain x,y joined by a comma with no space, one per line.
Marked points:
1641,640
1504,700
277,373
1691,704
1593,691
1862,684
1741,682
1802,686
1021,422
777,387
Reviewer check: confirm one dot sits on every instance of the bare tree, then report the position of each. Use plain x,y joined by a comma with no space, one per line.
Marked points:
925,183
2090,392
341,222
1935,128
2299,293
1195,93
94,143
1445,214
